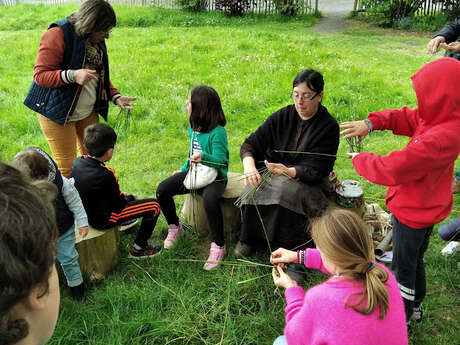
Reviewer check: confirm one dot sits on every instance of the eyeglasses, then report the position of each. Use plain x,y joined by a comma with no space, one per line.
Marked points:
304,98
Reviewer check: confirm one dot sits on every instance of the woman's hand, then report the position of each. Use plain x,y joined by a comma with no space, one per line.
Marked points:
123,102
453,47
196,157
435,43
281,279
251,175
279,169
354,129
84,75
83,231
283,256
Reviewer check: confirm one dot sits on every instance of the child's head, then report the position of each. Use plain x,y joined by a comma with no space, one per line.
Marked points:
345,243
205,109
32,163
99,139
29,290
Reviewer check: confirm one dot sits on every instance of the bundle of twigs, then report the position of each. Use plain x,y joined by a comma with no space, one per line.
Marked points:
123,122
249,192
355,144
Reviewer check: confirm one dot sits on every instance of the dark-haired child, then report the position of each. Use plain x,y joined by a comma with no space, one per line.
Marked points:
29,286
208,145
100,192
38,165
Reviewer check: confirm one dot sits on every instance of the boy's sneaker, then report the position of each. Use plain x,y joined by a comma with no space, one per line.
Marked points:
215,255
451,248
146,252
173,232
78,292
417,315
128,224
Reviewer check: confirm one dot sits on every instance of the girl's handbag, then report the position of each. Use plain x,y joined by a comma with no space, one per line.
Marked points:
199,176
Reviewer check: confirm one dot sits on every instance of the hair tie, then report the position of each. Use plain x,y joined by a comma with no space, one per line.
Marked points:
371,266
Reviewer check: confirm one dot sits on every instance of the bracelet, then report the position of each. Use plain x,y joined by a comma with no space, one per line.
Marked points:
302,257
298,252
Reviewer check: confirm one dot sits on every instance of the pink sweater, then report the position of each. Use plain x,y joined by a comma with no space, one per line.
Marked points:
319,316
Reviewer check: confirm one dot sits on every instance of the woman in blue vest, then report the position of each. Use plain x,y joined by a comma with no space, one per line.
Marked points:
71,84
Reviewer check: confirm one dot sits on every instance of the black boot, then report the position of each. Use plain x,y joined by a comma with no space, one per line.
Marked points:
78,292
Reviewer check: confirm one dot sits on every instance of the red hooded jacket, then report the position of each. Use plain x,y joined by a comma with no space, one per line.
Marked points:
419,176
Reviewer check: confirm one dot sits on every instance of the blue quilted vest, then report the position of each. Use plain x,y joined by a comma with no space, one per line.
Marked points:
57,104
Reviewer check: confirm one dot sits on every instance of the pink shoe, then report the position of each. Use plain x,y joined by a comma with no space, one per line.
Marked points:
173,231
215,255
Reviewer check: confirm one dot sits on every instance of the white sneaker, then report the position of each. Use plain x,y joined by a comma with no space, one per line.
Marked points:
417,315
451,248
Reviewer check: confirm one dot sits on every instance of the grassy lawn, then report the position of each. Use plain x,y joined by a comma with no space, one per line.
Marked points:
158,56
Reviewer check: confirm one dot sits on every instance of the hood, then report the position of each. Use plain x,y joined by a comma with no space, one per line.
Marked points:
436,85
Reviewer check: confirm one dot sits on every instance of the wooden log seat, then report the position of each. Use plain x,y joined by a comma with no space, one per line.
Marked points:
193,211
98,252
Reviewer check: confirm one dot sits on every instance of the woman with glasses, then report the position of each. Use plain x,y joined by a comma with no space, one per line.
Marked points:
297,144
71,84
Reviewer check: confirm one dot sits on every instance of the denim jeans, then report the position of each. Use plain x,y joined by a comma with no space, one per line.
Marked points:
281,340
450,231
68,258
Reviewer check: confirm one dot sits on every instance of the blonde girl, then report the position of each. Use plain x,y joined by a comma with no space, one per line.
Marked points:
359,304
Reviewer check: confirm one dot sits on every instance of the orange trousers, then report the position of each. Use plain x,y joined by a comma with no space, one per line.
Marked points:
63,140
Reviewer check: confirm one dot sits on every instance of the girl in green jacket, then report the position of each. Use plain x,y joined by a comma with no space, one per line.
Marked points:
209,147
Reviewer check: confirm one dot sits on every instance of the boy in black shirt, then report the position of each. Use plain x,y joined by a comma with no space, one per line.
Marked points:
105,204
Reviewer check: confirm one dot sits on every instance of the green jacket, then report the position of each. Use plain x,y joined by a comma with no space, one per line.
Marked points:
214,147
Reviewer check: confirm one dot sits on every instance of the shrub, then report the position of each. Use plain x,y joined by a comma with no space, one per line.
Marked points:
234,7
288,7
386,12
425,23
193,5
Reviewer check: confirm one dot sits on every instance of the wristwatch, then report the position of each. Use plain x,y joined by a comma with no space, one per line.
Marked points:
370,126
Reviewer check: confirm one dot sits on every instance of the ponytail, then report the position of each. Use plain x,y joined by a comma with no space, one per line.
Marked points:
343,238
375,292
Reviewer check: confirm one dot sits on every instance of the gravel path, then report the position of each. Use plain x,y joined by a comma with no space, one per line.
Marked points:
334,13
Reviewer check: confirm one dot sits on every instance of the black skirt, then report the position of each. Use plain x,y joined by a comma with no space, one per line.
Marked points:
284,227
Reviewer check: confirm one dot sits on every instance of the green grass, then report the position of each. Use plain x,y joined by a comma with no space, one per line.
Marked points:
158,56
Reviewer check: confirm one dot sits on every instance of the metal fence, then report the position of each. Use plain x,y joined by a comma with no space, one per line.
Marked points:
427,8
257,6
430,7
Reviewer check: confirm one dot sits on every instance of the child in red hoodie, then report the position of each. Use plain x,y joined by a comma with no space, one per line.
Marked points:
419,176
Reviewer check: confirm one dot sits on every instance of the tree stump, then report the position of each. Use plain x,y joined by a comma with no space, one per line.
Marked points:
194,213
97,252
